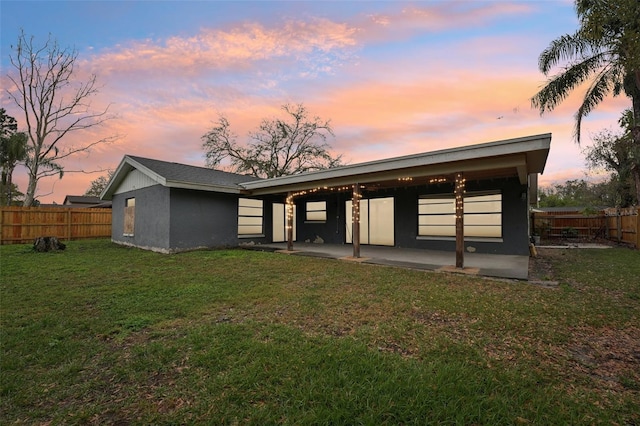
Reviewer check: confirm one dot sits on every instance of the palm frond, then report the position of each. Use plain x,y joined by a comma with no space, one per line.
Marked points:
558,87
602,85
566,48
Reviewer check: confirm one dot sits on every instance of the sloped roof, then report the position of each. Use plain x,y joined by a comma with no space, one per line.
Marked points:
81,199
517,157
176,175
510,157
177,172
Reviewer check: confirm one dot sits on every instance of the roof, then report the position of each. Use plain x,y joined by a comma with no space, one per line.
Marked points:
517,157
81,199
176,175
511,157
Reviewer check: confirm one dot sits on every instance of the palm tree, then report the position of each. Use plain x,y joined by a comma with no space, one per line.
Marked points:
12,151
604,53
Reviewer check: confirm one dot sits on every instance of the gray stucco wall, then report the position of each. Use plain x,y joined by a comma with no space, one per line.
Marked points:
203,219
515,238
171,220
151,227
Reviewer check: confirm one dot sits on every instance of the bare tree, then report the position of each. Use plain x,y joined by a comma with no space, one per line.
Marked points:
279,147
54,104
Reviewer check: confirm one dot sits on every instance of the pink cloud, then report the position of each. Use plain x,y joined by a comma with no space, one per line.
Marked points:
168,92
213,50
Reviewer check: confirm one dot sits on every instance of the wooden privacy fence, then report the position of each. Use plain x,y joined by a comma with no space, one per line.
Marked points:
19,225
624,225
620,225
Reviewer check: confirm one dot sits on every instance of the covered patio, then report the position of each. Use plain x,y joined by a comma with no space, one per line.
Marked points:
461,209
489,265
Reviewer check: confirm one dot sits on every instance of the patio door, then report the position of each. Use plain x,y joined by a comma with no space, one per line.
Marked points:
280,223
376,221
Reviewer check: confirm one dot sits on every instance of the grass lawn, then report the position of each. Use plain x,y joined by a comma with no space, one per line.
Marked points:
103,334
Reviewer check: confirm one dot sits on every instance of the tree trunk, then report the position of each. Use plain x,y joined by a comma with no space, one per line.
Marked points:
44,244
635,134
31,190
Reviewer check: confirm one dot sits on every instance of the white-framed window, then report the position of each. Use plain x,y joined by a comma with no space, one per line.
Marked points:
129,217
482,215
316,211
250,217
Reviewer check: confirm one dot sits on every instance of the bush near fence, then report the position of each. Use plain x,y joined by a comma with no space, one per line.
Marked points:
20,225
619,225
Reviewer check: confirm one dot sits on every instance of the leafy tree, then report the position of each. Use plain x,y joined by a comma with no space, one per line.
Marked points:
616,153
605,53
10,195
54,105
98,185
13,149
279,147
578,193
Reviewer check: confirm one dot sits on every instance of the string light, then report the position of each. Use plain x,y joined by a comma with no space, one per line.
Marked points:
438,180
459,192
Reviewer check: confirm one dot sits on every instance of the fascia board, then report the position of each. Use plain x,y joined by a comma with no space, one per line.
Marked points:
204,187
118,176
126,165
495,163
476,153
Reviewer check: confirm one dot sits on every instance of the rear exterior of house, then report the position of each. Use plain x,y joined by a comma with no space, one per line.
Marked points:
169,207
421,217
404,202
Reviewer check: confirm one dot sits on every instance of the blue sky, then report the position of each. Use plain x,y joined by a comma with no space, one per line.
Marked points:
394,78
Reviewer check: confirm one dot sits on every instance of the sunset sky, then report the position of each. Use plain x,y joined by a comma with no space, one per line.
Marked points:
394,78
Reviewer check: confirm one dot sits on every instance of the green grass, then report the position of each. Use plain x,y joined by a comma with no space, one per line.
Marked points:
103,334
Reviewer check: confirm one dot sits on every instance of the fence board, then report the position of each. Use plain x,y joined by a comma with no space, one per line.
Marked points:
624,225
19,225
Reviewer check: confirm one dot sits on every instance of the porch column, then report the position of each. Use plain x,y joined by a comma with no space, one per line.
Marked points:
289,213
459,195
355,214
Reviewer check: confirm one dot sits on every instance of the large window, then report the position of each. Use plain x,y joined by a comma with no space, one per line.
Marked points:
316,211
249,217
482,215
377,224
129,217
280,222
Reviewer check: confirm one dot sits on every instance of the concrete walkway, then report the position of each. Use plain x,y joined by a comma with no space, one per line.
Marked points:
490,265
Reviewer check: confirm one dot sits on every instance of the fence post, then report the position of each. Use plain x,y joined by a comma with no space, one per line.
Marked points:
619,223
637,228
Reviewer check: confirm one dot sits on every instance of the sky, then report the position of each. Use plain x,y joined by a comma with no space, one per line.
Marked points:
394,78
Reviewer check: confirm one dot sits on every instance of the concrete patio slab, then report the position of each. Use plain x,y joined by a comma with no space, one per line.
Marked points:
490,265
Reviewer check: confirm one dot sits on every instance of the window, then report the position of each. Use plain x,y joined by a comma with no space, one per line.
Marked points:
316,211
280,222
377,223
249,217
482,215
129,216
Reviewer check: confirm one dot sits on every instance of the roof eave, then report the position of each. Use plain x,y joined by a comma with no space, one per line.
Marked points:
527,154
204,187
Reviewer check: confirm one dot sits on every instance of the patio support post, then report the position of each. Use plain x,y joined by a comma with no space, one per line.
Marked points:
355,214
459,196
289,212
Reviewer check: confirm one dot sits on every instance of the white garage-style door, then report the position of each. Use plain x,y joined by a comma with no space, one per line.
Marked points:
376,221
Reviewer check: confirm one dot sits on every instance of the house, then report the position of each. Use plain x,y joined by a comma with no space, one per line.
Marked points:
449,199
85,201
